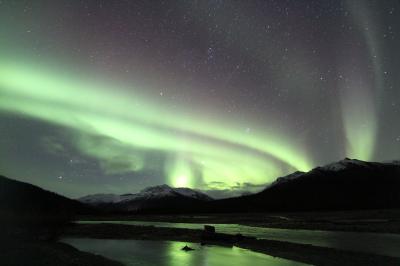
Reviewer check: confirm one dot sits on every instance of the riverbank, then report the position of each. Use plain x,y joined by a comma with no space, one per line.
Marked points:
298,252
39,253
374,221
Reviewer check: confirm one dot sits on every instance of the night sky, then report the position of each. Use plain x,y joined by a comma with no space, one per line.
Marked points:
223,96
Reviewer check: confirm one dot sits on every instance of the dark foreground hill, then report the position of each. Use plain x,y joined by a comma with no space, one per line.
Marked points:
345,185
19,200
31,220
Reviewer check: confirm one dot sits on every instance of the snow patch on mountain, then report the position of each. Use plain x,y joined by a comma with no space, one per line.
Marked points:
284,179
193,193
343,164
100,198
145,194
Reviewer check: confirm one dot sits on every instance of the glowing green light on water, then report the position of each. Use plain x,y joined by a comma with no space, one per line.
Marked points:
200,152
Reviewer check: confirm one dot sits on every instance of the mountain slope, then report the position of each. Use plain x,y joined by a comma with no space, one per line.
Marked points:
347,184
19,200
161,198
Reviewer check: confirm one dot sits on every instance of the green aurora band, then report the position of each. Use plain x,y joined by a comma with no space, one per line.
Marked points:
200,153
360,121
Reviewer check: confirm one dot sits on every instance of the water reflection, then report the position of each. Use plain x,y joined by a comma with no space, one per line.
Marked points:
169,253
376,243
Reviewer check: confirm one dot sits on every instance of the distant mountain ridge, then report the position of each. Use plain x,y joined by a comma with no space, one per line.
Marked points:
156,197
347,184
335,166
343,185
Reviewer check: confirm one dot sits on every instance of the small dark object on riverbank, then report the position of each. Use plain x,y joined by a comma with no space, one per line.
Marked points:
209,229
208,233
187,248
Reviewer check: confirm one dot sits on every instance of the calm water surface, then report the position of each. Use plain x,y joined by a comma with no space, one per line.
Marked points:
169,253
376,243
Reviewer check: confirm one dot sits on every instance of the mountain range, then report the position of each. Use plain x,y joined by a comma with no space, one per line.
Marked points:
344,185
157,197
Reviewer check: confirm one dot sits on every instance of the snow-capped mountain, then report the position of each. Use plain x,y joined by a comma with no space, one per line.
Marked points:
348,184
344,185
342,165
165,190
103,198
152,197
284,179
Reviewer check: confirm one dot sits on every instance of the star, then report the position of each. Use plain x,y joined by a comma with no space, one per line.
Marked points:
143,94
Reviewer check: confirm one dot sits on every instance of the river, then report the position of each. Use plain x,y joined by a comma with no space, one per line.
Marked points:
375,243
169,253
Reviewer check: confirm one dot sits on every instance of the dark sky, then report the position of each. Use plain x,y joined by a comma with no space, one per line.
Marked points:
223,96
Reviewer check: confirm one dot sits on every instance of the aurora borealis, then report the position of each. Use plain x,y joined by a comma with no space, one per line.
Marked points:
223,96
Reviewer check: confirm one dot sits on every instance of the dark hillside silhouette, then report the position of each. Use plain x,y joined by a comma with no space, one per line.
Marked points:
29,211
346,185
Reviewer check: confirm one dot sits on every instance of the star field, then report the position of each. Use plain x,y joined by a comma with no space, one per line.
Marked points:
223,96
